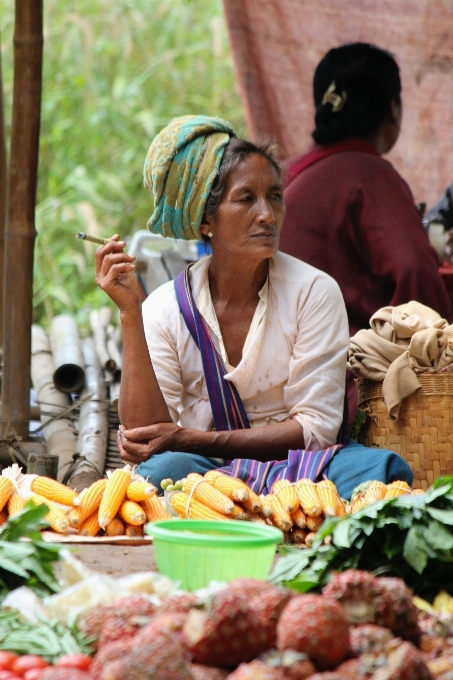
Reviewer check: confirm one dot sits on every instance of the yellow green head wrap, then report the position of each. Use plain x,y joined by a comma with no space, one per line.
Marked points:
180,168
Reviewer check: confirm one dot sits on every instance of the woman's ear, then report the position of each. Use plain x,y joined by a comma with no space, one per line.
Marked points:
205,226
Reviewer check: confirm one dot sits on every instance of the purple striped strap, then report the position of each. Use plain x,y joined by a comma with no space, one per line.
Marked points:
227,408
299,465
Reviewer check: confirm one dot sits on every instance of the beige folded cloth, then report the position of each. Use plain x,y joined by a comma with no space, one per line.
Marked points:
401,342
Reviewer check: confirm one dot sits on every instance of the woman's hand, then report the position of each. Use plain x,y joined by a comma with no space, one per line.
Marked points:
115,274
141,443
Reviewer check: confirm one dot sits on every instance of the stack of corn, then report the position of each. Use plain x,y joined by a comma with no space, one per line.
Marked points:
117,506
373,491
297,509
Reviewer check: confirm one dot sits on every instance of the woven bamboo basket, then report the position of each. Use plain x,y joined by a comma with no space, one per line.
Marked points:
423,433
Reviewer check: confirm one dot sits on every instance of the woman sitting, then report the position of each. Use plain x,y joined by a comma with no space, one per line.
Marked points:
349,213
239,362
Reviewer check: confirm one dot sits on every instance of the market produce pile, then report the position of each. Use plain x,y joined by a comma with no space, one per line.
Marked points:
116,506
355,624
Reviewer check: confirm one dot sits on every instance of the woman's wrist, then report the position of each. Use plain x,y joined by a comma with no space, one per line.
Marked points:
194,441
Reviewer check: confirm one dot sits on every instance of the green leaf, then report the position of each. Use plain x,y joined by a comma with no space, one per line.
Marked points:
414,551
444,516
438,536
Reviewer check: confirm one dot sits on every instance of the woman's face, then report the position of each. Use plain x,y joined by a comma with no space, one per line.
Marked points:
251,211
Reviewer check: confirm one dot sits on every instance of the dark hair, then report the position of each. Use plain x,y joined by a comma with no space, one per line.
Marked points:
236,151
369,78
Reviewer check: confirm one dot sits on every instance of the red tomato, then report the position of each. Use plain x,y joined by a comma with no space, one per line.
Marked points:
6,660
33,674
80,661
26,662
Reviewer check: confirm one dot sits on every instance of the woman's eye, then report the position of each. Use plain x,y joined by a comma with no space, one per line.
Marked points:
277,196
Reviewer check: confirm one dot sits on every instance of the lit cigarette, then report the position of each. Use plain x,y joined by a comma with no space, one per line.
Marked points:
93,239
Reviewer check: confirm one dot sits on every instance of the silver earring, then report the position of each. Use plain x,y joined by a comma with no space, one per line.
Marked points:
210,234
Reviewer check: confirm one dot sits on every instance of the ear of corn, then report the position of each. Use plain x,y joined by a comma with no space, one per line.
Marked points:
154,509
341,507
194,509
132,513
375,492
113,496
240,513
54,491
418,492
398,488
115,527
313,523
309,538
299,518
6,491
308,497
15,504
266,506
74,518
90,526
230,486
140,491
56,517
133,530
253,503
280,517
358,503
298,536
286,494
256,519
328,496
202,491
3,517
90,498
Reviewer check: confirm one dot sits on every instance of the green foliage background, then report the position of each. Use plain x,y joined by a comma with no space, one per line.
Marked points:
114,74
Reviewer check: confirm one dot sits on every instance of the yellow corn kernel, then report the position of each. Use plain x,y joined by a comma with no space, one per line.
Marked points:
308,497
54,491
113,496
154,509
256,519
3,517
90,499
266,507
313,523
358,503
6,491
90,526
230,486
309,538
202,491
418,492
286,494
193,508
340,509
132,513
115,527
280,517
328,496
299,518
56,516
140,491
15,504
132,530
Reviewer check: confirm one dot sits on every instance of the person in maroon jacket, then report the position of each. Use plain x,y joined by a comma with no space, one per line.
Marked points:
348,211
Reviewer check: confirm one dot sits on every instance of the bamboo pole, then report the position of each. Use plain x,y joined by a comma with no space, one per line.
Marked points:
59,433
93,423
3,197
69,373
20,233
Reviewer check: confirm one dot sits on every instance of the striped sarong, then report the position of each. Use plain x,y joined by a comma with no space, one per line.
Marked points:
229,413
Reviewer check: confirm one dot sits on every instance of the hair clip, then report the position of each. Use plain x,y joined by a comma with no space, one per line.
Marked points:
336,100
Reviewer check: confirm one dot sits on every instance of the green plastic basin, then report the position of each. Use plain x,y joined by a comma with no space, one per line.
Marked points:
196,552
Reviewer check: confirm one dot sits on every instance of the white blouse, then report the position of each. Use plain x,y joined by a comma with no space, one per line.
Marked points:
294,358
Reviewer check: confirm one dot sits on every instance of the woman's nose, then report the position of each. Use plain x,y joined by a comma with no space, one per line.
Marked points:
265,212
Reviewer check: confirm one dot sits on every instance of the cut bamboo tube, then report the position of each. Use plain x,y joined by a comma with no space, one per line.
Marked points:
98,326
59,434
93,422
69,375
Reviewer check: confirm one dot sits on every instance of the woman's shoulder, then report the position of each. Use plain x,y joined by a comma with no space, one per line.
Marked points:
291,270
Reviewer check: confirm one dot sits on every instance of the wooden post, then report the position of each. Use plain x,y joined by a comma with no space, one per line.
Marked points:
3,198
20,231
